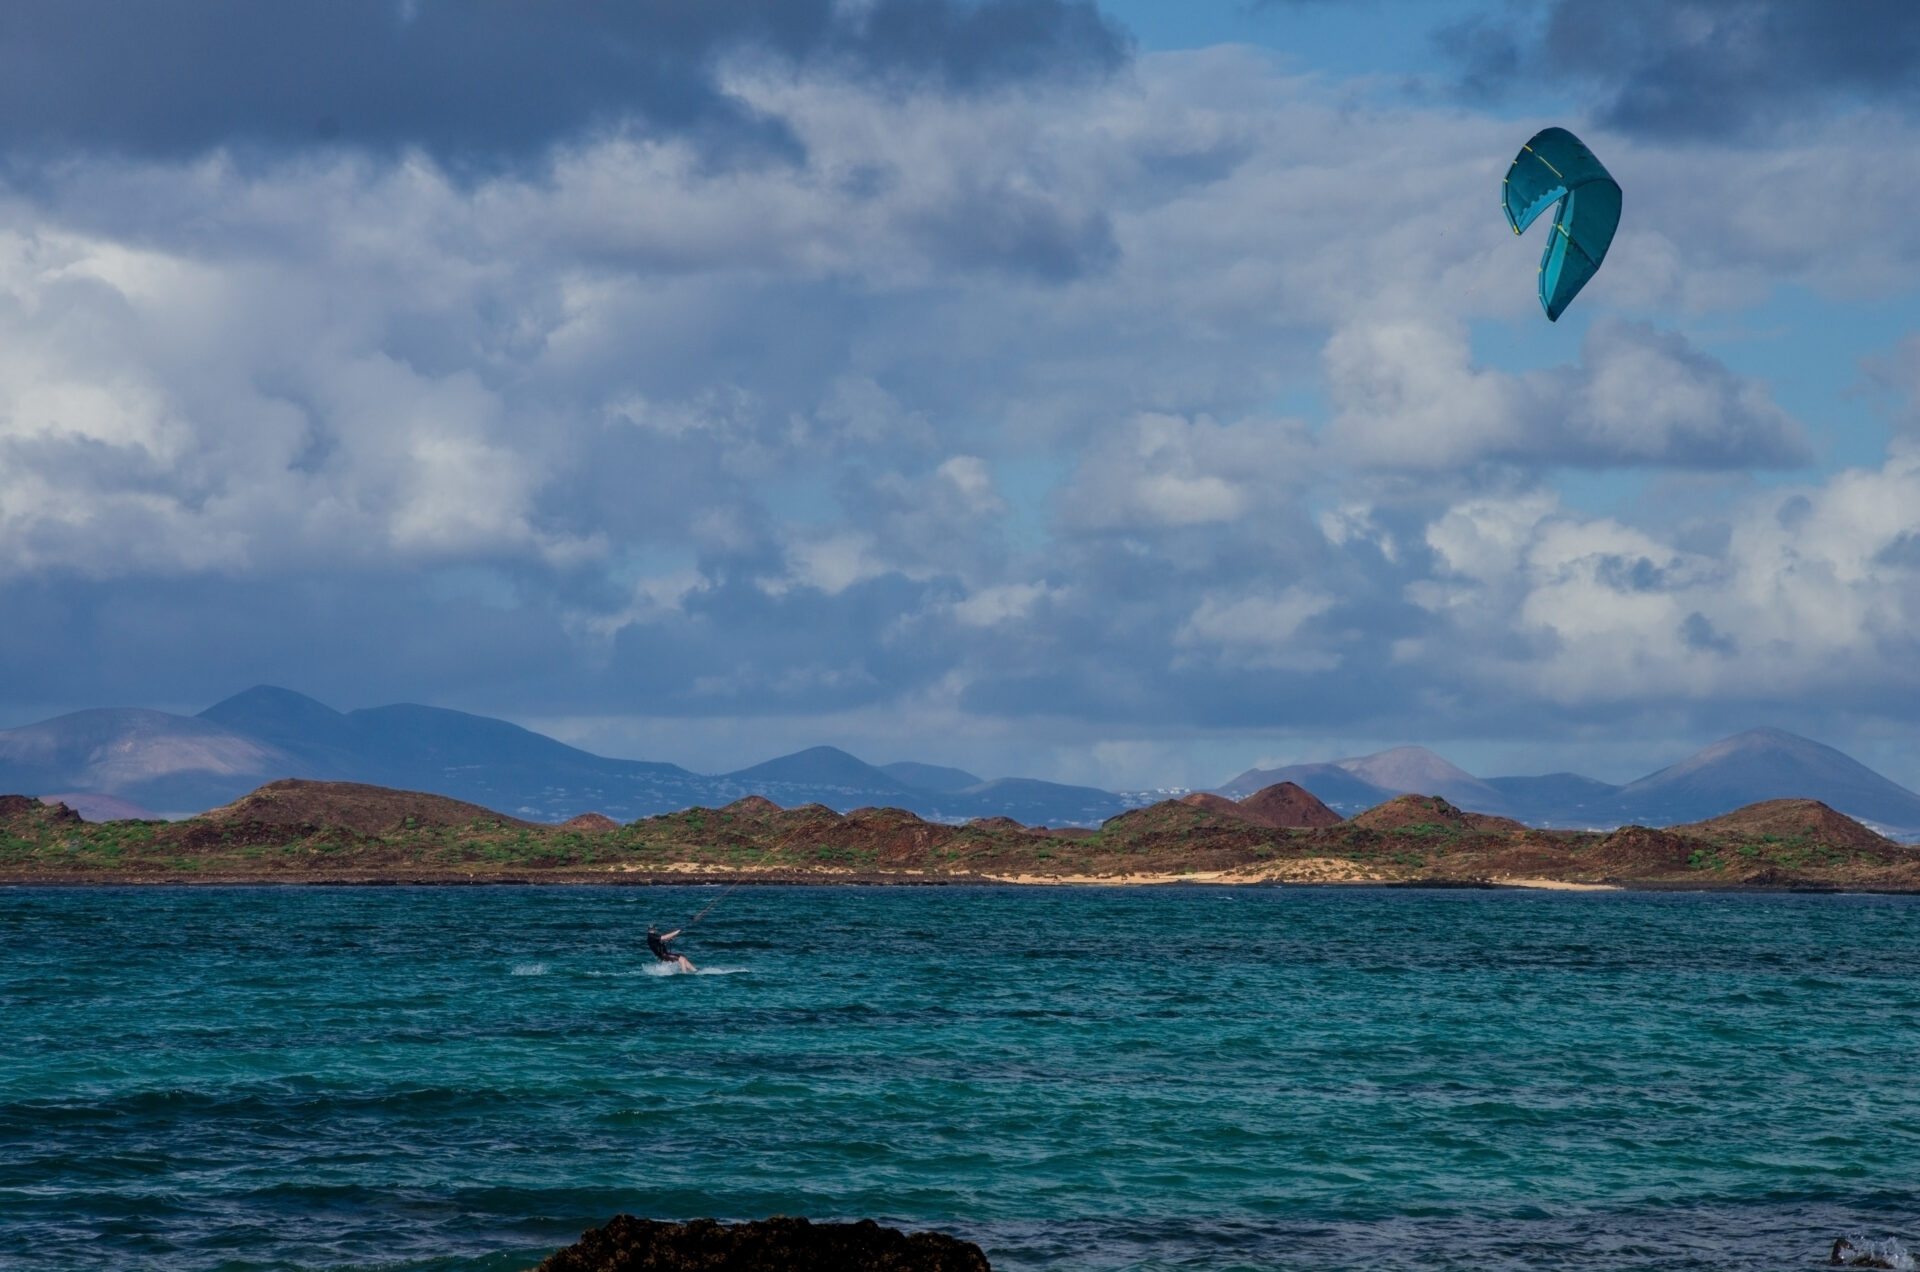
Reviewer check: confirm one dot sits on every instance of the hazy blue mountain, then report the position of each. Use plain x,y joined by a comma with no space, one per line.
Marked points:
405,735
1768,764
151,758
1332,785
470,757
1351,785
929,777
1743,769
818,766
1414,770
1559,799
1028,800
296,724
183,764
818,775
434,737
180,764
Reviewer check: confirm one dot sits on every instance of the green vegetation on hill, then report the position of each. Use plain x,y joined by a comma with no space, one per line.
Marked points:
316,831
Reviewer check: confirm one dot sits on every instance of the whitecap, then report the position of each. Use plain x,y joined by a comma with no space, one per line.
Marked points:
674,969
1882,1254
529,969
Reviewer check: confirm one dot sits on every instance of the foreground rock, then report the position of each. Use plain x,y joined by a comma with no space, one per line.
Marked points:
627,1244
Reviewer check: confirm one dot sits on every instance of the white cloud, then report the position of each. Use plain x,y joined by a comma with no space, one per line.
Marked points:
630,282
1260,631
1126,390
1484,541
1167,471
1816,591
652,598
1409,396
1004,603
829,562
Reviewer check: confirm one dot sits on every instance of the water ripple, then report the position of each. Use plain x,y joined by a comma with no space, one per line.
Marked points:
1077,1079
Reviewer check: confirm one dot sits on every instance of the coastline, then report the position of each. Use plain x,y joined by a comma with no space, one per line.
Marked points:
144,881
332,835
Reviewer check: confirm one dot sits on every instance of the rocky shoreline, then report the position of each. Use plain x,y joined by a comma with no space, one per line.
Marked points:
779,1244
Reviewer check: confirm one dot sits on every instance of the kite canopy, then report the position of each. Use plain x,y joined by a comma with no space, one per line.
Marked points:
1557,167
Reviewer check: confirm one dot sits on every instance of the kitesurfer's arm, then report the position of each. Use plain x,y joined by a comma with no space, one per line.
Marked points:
669,936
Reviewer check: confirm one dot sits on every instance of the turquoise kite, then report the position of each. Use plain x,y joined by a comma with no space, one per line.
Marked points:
1556,167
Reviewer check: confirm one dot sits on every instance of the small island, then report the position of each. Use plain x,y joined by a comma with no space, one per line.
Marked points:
298,831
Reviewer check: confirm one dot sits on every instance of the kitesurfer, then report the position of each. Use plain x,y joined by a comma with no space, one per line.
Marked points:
658,944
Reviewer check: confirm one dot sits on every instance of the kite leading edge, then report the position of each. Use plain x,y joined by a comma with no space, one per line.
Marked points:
1557,168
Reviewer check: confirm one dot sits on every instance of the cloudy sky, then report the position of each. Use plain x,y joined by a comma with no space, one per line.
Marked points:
1124,394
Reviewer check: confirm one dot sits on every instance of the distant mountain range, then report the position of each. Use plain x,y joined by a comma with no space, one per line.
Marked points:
179,764
117,761
1748,767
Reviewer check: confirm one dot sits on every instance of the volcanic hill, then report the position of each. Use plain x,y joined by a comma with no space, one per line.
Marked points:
1282,806
306,831
355,806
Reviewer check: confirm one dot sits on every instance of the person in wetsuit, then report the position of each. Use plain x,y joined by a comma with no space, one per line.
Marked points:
658,944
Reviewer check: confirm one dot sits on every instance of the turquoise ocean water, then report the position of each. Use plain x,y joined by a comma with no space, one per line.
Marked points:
464,1078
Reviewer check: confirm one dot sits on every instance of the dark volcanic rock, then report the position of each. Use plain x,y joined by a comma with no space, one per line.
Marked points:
369,810
1222,805
1803,819
1409,811
1288,806
779,1244
1641,851
20,812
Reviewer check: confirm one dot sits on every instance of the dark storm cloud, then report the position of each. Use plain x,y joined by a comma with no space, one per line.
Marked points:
1004,229
1702,67
746,457
352,640
483,77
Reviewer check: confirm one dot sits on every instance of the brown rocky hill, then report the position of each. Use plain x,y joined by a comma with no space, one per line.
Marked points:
369,810
1179,832
100,808
590,824
339,832
1406,811
1637,852
1282,806
1289,807
893,836
758,806
23,814
1789,819
1180,819
1220,804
